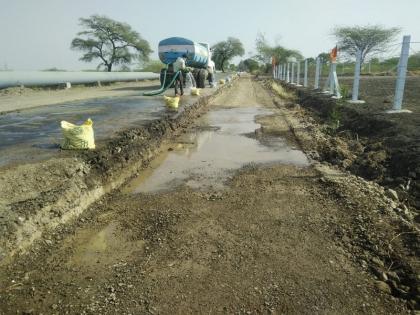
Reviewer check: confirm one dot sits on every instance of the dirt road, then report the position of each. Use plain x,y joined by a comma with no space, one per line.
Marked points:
231,218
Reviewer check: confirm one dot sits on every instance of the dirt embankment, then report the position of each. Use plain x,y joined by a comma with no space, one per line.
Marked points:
40,196
381,147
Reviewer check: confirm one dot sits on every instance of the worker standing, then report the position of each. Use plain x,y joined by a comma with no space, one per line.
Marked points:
211,68
179,65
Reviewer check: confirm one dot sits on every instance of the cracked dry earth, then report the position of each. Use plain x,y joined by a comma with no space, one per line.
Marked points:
237,234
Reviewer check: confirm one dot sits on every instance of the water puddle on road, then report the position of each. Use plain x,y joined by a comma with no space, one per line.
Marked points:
35,133
205,157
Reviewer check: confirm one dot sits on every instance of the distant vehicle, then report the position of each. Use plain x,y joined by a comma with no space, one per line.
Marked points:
198,58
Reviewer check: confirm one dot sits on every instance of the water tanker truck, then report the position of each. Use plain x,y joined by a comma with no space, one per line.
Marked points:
198,58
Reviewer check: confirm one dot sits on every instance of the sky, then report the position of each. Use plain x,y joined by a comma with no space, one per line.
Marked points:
36,34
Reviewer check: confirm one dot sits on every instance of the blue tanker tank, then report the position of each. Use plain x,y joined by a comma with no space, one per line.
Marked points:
172,48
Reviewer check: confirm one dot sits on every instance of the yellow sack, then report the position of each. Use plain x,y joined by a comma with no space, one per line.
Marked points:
222,81
78,137
171,102
195,91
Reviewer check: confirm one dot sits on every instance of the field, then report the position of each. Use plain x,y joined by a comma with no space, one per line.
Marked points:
378,92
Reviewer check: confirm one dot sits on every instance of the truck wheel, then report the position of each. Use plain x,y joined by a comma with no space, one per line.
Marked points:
201,78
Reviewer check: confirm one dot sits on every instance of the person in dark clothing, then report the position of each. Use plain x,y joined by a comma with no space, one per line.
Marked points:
179,65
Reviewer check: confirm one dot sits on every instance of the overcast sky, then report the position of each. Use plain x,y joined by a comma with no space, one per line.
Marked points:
36,34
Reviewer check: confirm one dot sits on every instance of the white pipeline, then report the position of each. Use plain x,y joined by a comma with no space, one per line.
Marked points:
40,78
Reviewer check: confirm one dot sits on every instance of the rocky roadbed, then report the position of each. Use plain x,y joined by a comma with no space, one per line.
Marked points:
40,196
277,239
384,232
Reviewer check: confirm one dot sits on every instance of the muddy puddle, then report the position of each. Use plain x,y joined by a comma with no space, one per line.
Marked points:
101,247
207,156
203,158
36,132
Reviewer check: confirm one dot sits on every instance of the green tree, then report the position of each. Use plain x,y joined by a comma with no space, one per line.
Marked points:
325,57
224,51
112,42
368,39
251,65
265,52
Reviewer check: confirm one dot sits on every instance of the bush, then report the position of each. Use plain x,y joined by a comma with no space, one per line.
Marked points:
153,66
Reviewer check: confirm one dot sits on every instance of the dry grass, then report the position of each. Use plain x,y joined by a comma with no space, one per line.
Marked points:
282,92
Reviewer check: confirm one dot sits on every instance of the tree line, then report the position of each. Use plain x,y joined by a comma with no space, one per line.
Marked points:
115,43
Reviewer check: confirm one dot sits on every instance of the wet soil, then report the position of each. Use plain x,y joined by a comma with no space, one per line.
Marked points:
34,134
37,132
275,238
37,196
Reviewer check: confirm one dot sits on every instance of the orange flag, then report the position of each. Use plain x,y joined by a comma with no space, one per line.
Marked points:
333,54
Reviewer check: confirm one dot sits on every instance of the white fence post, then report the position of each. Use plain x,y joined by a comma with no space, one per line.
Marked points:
402,74
317,73
292,81
331,87
298,74
334,78
305,77
356,81
284,72
281,71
